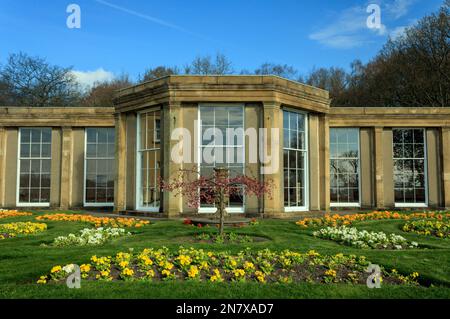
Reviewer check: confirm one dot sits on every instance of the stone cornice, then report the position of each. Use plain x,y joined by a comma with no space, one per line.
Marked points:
389,117
201,89
57,116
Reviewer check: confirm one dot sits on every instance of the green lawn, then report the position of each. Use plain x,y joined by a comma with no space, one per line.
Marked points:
23,260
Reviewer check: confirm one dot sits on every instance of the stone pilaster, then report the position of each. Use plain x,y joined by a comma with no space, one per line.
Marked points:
446,165
171,120
121,165
379,168
66,168
273,119
2,165
314,162
324,142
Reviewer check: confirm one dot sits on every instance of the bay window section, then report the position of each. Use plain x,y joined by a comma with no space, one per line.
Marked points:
295,155
344,167
100,166
410,178
222,145
148,161
34,167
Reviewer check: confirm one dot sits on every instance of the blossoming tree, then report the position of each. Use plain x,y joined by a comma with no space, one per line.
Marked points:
214,190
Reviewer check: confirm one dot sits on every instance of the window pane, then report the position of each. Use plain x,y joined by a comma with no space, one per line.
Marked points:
34,179
344,166
295,154
99,170
149,163
409,166
47,135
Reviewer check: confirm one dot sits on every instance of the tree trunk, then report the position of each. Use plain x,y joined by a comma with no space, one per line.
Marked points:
222,176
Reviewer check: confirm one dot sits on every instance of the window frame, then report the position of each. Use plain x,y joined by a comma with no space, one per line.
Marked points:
349,205
19,146
138,162
88,204
212,210
305,207
425,163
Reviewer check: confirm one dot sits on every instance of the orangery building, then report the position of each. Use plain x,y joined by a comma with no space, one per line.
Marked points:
318,157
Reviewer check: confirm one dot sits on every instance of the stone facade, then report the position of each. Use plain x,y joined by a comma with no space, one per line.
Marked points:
174,103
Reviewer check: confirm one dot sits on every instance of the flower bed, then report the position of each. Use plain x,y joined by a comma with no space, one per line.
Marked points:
4,213
16,229
436,228
90,237
263,266
227,238
364,239
339,220
96,221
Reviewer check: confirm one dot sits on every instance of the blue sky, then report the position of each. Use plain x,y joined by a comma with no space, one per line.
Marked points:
130,35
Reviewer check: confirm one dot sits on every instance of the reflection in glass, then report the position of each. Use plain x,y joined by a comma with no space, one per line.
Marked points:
344,165
223,145
99,161
34,165
149,153
295,155
409,166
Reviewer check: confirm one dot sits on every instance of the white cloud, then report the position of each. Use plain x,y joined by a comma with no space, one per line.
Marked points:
89,78
349,27
346,30
398,8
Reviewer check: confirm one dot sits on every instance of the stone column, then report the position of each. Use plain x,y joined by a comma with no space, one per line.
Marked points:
66,168
121,165
171,119
379,170
273,119
2,165
446,165
324,158
314,162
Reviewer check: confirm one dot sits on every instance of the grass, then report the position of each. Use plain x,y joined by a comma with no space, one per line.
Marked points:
23,260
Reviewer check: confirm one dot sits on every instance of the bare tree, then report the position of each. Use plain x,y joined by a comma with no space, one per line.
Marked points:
102,94
159,72
285,70
333,79
31,81
410,70
206,66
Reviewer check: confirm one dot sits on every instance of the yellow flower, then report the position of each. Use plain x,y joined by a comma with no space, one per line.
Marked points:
249,266
124,264
260,276
56,269
42,280
330,272
85,268
127,272
184,260
239,273
193,272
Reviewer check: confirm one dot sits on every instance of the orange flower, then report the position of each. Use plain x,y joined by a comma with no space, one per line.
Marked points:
96,221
